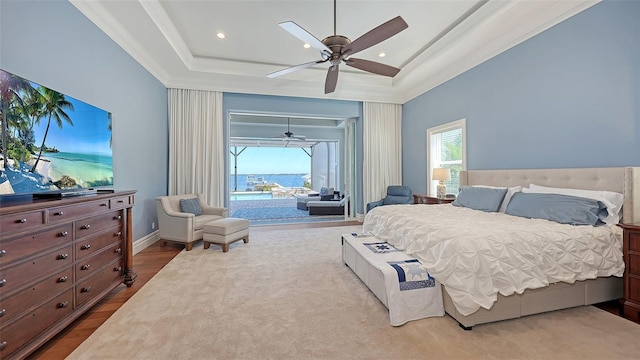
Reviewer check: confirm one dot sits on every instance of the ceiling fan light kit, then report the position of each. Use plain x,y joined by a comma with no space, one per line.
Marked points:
337,49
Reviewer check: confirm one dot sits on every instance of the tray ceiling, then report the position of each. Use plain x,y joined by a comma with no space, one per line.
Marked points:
176,41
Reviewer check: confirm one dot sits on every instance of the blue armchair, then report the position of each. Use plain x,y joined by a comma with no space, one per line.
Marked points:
396,194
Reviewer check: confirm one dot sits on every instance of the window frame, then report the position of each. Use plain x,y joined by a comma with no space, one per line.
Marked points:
453,125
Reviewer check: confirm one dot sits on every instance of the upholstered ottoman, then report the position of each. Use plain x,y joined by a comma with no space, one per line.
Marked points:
225,231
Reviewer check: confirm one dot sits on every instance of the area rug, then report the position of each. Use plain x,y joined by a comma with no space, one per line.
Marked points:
288,295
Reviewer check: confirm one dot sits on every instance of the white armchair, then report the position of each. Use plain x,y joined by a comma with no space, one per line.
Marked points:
184,228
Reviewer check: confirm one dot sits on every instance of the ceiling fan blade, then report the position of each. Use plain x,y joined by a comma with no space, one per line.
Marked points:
372,67
302,34
293,68
376,35
332,79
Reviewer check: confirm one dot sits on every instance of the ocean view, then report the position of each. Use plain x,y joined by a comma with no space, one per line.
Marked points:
87,169
286,180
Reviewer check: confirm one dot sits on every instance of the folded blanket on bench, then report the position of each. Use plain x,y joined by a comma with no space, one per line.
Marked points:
412,293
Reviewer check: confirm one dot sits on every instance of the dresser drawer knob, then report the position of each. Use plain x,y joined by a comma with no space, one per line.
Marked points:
117,269
85,267
103,204
62,256
62,279
85,247
3,345
119,217
118,233
63,305
2,282
117,251
59,213
2,312
86,227
86,289
21,221
3,252
63,234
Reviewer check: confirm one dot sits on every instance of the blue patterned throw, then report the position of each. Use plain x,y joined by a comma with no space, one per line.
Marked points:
380,247
411,275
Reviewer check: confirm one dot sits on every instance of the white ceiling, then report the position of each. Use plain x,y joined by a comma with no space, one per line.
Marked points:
176,40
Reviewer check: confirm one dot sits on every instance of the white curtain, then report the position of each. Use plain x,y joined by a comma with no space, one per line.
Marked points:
196,149
382,146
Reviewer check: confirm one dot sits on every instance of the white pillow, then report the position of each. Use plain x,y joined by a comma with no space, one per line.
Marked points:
507,197
612,200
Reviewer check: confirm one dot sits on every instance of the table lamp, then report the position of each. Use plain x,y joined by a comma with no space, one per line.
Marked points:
441,174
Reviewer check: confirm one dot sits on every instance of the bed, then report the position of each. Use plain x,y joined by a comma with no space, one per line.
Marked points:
590,287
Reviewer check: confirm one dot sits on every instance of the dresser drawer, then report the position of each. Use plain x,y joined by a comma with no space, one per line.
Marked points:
22,274
70,212
96,224
31,324
25,221
88,266
634,289
21,247
89,245
15,305
120,202
633,267
634,241
99,281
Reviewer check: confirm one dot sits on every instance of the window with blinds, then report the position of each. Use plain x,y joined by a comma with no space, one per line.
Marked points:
446,149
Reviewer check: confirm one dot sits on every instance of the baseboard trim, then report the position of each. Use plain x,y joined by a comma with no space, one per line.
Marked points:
145,242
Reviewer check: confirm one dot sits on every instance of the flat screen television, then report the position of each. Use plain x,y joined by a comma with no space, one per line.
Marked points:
52,144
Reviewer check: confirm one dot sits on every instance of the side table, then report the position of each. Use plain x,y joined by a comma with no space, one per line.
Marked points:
631,277
429,200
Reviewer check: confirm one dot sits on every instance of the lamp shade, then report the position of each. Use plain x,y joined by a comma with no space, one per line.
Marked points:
441,174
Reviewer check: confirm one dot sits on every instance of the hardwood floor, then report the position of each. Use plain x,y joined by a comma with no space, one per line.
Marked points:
147,263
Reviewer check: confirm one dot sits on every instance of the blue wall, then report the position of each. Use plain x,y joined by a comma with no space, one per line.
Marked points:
569,97
53,44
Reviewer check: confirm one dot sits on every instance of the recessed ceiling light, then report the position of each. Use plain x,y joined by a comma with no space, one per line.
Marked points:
306,46
221,35
382,54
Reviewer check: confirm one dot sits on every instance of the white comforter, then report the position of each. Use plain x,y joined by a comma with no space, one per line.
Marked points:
477,255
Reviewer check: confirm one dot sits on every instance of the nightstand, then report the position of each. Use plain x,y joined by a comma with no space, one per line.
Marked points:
631,250
426,199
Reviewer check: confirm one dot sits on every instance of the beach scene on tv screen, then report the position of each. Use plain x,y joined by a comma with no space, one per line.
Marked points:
51,141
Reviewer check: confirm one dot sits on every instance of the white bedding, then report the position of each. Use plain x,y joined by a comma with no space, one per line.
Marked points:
477,255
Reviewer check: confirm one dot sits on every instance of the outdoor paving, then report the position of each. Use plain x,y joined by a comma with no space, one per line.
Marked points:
274,211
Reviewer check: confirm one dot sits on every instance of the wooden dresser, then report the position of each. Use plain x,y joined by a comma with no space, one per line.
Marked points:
59,257
631,250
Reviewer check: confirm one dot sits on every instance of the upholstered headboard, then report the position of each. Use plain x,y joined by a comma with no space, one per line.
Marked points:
625,180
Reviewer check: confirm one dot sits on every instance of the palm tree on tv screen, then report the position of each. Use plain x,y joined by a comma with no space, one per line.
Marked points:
54,107
10,86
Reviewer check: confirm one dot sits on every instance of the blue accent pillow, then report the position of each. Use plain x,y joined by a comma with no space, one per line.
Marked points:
191,206
480,198
564,209
326,191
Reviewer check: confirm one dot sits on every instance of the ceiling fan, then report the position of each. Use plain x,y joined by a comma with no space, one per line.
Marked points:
338,48
288,135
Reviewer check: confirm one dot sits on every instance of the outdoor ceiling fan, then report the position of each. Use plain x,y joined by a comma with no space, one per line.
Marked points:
288,135
338,48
